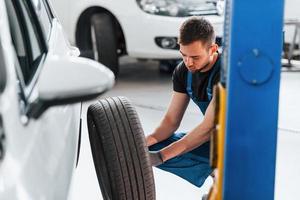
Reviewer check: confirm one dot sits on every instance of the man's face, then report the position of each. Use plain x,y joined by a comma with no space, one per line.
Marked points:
197,56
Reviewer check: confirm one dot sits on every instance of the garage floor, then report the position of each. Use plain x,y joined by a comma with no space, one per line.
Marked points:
150,91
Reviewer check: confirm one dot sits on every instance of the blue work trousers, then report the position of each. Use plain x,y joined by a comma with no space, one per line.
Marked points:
192,166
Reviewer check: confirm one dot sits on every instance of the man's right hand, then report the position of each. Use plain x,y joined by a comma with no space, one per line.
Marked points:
155,158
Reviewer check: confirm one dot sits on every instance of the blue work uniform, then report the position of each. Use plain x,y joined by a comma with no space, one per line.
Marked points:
192,166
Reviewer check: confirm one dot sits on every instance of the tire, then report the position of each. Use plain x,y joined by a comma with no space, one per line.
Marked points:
104,41
119,151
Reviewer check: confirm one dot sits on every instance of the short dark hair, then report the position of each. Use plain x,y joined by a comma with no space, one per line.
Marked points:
196,29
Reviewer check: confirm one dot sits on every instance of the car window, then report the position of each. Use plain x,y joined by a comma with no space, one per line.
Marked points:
26,38
42,12
2,70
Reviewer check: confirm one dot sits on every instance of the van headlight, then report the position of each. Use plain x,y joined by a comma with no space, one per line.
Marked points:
182,8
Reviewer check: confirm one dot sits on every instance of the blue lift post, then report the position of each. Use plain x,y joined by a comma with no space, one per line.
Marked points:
252,59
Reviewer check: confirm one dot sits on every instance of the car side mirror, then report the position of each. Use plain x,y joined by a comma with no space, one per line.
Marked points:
67,80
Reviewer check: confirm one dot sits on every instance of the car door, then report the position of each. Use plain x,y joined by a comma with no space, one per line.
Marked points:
40,154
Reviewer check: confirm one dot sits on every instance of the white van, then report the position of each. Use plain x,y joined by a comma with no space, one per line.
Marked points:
144,29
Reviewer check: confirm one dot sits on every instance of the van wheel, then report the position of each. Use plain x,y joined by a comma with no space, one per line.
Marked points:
104,42
119,151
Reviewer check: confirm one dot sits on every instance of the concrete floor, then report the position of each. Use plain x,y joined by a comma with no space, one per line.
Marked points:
288,151
149,91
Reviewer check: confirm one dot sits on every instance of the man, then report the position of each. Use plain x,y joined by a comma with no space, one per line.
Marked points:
187,155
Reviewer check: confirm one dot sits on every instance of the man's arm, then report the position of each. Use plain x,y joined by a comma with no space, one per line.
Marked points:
171,120
199,135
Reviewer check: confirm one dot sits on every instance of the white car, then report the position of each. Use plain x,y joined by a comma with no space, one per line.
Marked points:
40,75
143,29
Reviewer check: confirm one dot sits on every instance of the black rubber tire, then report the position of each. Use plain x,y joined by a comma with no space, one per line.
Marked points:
119,151
106,40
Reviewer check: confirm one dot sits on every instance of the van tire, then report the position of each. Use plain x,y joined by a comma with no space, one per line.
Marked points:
103,34
119,151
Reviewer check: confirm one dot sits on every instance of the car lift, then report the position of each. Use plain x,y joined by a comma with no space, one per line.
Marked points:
244,145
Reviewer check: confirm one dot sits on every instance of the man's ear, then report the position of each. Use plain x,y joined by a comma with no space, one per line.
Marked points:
214,48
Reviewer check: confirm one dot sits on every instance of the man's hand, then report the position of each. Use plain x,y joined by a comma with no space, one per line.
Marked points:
150,140
155,158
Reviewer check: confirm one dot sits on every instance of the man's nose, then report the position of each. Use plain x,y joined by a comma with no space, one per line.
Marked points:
189,61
